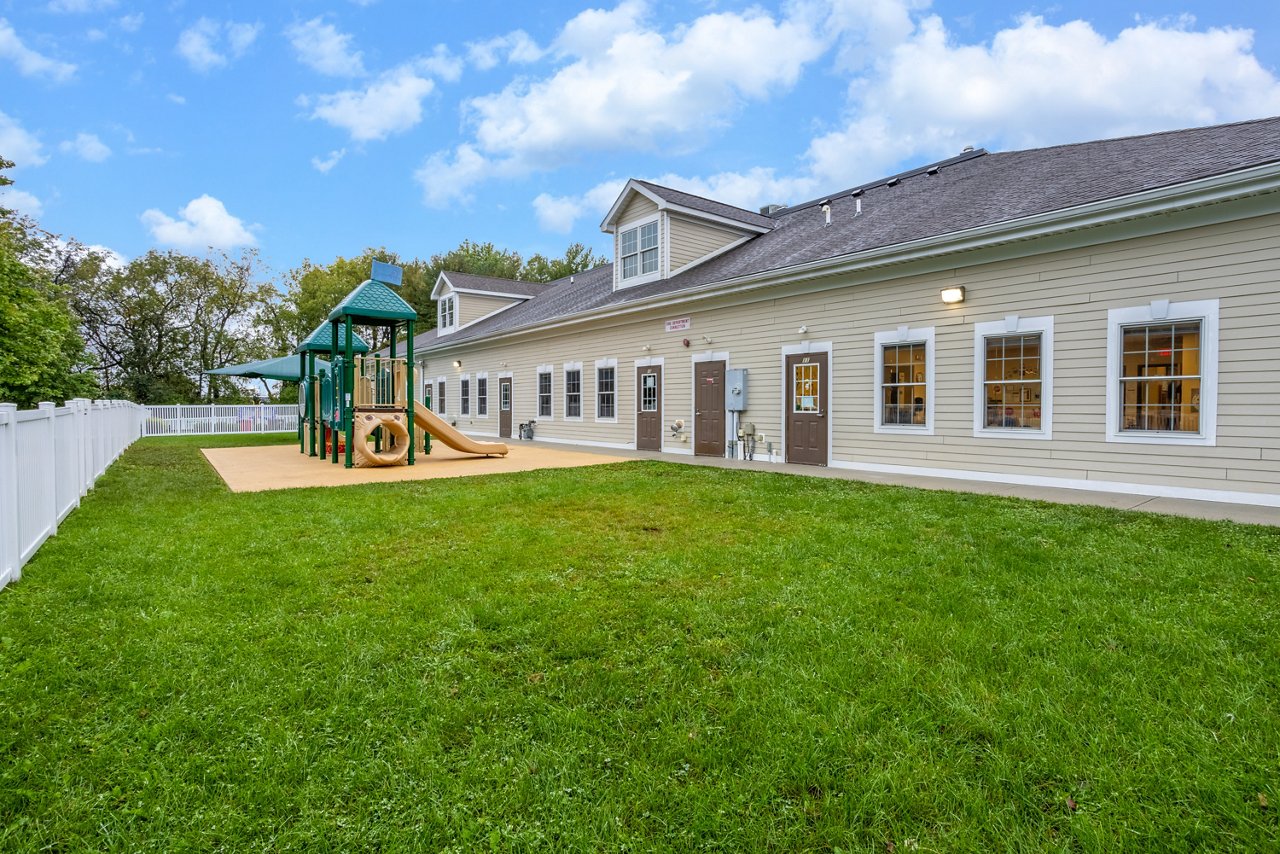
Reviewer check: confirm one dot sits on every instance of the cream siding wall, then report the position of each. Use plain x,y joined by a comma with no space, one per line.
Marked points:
639,206
473,307
1237,262
692,240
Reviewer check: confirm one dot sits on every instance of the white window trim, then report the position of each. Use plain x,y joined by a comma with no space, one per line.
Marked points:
904,335
435,390
1013,325
582,389
606,363
1206,311
481,375
549,370
639,278
452,299
470,413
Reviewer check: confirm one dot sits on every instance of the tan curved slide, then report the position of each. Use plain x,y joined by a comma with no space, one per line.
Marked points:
439,428
393,426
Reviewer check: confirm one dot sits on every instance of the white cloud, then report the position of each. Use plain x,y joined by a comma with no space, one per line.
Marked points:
208,44
324,165
1039,84
18,145
515,46
29,62
130,23
560,213
175,98
78,7
95,35
21,201
323,48
111,259
86,146
203,223
391,104
441,63
626,86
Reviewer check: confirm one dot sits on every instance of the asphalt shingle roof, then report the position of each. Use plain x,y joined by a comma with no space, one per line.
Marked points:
710,206
980,190
492,284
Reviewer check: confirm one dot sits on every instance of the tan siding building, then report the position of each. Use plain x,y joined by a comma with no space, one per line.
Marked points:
1127,353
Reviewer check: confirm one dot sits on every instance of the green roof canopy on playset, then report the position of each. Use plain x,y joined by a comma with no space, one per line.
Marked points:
373,303
284,368
321,341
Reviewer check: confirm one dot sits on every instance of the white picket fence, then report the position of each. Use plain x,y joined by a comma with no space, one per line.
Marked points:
208,420
50,458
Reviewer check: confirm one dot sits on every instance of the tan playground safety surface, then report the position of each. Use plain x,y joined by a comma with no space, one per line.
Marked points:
264,467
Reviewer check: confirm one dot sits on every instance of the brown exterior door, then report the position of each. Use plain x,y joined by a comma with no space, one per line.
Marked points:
806,387
708,409
504,407
649,408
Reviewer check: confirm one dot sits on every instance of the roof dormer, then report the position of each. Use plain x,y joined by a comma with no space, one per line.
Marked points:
658,232
463,299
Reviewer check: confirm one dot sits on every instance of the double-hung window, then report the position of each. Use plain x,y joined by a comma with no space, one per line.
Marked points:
638,249
1013,378
544,391
607,390
464,399
573,391
482,397
1162,373
440,386
904,381
448,311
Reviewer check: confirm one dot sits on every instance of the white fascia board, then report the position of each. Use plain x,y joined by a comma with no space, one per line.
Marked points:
1254,181
716,218
442,281
633,186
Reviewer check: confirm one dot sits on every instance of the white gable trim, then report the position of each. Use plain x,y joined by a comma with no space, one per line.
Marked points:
609,224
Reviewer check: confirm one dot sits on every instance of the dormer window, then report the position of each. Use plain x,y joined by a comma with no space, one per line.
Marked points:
448,311
639,250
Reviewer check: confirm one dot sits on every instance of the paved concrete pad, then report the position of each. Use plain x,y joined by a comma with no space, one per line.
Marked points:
259,468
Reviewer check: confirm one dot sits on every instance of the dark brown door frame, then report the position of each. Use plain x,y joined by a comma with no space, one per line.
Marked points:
788,391
719,443
641,371
506,415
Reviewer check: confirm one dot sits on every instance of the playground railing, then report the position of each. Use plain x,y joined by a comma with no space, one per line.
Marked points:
208,420
380,382
49,459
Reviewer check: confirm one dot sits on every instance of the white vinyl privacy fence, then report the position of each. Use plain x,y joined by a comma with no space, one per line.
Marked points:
49,458
206,420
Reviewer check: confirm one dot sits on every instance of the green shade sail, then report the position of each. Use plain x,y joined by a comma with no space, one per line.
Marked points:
321,341
279,368
373,303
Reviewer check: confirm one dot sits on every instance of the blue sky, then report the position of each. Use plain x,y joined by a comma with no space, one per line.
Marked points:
315,129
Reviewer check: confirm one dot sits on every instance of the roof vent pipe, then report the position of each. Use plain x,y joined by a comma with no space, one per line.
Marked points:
826,211
857,206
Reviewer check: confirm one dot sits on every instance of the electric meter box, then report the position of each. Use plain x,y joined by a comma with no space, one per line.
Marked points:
735,390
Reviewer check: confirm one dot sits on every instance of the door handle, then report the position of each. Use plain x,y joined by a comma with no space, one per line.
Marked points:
697,412
822,415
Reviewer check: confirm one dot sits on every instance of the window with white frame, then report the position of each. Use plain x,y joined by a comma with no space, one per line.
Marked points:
440,386
1013,378
482,396
544,392
638,249
464,395
903,361
607,390
1162,373
573,391
447,309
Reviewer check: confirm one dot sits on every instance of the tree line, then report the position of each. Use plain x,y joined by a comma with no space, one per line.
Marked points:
76,323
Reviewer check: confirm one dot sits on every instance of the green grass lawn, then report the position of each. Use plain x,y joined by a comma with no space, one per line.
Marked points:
633,657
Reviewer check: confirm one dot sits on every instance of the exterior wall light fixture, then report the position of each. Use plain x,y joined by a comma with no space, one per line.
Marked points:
953,295
457,363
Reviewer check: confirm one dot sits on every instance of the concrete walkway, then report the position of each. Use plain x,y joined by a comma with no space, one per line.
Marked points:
1213,510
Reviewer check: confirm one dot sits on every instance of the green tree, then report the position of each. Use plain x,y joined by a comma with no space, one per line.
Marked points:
576,259
164,319
42,357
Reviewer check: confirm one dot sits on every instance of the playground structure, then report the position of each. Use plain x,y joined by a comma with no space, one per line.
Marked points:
362,409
